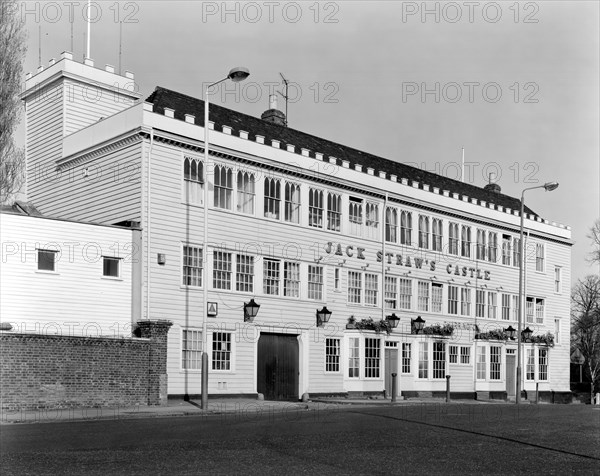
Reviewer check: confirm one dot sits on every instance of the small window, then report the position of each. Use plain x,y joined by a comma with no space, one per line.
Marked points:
557,280
453,352
46,260
337,281
111,267
465,355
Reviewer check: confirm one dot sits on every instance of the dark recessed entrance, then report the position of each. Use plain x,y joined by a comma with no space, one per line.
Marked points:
277,371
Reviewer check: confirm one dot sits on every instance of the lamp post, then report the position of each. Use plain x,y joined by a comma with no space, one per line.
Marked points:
236,75
548,186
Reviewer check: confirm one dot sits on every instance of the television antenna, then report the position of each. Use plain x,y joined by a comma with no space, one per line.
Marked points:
286,97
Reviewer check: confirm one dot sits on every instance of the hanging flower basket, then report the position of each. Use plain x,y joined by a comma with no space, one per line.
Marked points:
545,339
369,324
493,334
445,330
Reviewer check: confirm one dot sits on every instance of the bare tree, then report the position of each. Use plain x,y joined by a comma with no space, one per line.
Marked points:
12,51
585,325
595,237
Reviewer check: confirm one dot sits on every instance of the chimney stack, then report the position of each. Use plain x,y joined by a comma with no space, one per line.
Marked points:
273,114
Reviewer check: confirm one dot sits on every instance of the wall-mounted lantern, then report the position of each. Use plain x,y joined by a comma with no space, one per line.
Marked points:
393,320
250,310
527,333
417,325
323,316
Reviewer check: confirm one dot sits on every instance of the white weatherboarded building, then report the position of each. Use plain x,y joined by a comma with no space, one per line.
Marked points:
67,278
297,222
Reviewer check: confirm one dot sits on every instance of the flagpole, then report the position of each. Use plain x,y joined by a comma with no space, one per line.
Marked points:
88,29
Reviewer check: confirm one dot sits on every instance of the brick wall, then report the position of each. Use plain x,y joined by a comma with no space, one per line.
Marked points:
46,371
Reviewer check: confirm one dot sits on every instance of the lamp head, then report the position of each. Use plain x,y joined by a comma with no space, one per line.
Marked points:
393,320
238,74
323,316
549,186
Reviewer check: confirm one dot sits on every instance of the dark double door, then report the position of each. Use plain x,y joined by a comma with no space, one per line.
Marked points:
278,366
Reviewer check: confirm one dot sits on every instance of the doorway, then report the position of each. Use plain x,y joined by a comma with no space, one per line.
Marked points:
511,375
391,366
278,366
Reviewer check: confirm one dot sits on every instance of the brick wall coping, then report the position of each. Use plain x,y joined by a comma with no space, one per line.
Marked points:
82,339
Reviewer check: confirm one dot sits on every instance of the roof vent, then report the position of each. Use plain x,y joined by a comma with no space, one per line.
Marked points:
273,114
492,186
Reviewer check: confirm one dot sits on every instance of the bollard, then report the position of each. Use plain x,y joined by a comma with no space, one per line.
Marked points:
537,392
598,399
447,388
394,387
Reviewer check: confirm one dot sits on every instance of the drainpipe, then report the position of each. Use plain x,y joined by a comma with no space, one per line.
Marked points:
383,257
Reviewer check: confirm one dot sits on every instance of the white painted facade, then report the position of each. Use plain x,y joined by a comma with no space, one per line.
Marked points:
129,166
67,278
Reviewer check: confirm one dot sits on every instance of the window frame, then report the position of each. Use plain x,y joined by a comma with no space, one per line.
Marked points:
391,224
333,360
119,266
334,211
315,208
228,352
372,355
194,183
240,267
219,273
317,291
246,192
40,260
272,198
185,264
197,351
424,231
293,202
223,192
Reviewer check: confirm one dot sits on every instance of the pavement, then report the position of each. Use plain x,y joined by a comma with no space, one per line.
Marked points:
180,408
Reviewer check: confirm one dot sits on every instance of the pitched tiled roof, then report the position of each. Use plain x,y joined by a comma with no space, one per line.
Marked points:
163,98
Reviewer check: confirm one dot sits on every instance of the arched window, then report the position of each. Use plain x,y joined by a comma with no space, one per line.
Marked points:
391,225
406,228
193,180
245,192
334,208
315,208
272,198
292,202
423,232
223,187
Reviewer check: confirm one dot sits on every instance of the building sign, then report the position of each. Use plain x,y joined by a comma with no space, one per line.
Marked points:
212,309
406,261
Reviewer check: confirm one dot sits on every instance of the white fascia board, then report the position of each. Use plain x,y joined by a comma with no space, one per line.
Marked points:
103,131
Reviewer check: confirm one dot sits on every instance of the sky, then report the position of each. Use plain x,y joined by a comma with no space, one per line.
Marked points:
516,84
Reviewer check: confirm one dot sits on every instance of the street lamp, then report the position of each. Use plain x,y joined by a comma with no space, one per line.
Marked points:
548,186
236,75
